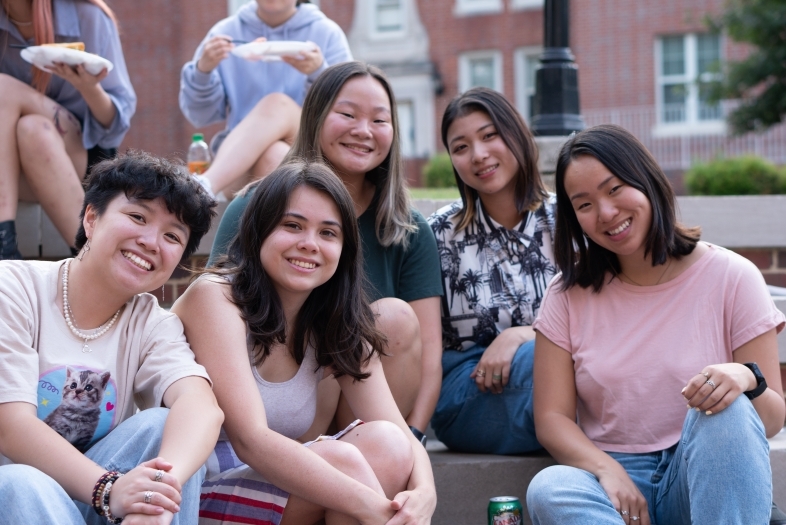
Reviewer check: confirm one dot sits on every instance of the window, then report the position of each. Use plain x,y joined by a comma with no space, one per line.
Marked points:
527,62
406,126
477,7
526,4
389,16
687,65
483,68
234,5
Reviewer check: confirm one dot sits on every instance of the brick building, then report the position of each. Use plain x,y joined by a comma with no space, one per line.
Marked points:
641,65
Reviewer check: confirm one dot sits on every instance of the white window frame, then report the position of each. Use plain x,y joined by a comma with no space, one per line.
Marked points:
691,125
409,150
521,56
521,5
477,7
376,34
464,70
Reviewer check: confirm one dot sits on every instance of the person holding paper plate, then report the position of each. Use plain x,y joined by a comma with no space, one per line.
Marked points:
253,70
55,115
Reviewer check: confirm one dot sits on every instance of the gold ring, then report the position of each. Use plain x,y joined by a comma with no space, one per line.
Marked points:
481,373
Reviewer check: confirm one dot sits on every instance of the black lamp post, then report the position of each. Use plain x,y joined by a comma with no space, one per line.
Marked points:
556,105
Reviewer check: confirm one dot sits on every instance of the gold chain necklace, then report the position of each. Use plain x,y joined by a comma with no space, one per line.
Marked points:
659,279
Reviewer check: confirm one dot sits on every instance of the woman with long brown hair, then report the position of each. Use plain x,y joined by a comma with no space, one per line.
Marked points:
349,121
52,122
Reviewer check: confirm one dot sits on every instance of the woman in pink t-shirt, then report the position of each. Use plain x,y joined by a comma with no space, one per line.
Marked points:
643,320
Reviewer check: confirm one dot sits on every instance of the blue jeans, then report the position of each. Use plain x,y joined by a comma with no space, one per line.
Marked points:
27,495
719,472
468,420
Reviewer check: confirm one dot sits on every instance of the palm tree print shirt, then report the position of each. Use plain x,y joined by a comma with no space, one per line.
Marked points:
493,277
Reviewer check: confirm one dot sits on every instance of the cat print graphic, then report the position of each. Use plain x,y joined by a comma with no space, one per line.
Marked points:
80,406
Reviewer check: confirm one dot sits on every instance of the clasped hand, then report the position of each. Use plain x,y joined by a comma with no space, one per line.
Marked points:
413,507
717,386
492,372
127,498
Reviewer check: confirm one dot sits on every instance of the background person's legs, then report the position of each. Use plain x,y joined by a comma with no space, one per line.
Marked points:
402,364
274,119
39,138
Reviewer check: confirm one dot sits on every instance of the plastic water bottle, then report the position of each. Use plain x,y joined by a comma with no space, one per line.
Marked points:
198,155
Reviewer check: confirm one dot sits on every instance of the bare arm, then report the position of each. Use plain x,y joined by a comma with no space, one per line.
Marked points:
732,379
27,440
371,400
216,333
428,314
192,426
555,424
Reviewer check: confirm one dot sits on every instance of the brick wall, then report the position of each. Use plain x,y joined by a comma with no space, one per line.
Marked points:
771,262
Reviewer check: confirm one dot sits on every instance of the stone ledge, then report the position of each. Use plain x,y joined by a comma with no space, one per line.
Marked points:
465,482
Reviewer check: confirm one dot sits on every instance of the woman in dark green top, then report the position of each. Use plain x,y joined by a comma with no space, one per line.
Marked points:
349,120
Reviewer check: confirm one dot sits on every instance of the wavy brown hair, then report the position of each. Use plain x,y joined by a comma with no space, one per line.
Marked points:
528,191
578,257
336,318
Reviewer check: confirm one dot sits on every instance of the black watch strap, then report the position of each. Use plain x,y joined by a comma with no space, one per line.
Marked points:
419,435
761,383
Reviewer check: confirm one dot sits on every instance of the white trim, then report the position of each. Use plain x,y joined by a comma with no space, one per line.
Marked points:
465,82
418,90
477,7
691,125
521,5
381,35
520,55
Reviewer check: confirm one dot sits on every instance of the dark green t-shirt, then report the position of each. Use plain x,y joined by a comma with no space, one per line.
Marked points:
408,274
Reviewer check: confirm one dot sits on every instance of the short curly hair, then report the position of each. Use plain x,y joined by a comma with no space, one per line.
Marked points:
142,176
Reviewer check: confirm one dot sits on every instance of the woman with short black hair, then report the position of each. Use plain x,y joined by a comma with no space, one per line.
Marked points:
644,319
82,346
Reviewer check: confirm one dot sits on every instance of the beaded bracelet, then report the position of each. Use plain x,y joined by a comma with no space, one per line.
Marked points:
100,499
105,503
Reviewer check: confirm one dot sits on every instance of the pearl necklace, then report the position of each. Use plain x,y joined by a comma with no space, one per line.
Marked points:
98,332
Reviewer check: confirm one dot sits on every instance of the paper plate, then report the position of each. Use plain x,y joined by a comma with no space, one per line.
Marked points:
46,56
273,50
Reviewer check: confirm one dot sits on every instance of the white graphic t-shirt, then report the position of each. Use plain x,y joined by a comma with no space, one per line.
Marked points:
84,395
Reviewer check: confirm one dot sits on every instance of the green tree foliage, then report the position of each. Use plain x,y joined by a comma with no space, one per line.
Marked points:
759,81
438,172
746,175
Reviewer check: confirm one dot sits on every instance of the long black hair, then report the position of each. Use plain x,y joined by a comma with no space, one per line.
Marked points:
581,260
528,191
335,318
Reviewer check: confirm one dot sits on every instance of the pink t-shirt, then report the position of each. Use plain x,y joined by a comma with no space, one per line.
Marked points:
634,348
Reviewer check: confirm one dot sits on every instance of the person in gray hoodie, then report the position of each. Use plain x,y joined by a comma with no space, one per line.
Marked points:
260,101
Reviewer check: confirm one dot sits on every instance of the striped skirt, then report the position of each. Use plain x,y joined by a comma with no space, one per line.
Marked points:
241,495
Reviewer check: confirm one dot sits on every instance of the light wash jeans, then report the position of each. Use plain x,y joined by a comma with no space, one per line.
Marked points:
29,496
718,473
468,420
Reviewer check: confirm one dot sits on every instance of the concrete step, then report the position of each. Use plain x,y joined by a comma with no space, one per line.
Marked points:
465,482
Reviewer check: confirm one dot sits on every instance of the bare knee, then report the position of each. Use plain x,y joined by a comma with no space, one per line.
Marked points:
344,456
389,451
275,103
34,131
397,320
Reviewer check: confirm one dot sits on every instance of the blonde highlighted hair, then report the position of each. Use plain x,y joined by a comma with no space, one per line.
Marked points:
44,32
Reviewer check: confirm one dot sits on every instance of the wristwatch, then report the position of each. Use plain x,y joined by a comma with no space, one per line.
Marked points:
419,435
761,383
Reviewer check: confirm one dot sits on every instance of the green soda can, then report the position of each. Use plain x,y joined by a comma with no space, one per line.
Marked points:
505,510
